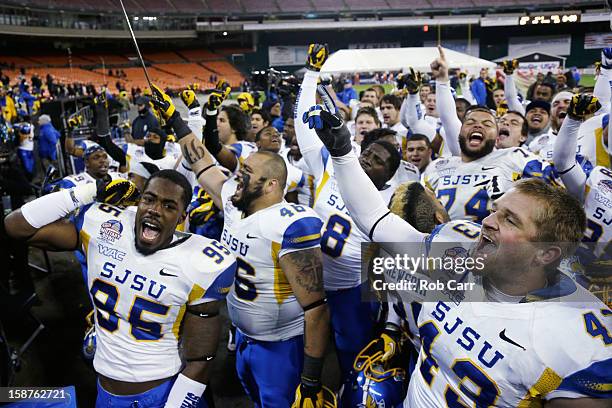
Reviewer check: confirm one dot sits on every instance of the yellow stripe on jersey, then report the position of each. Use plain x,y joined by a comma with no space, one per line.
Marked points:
324,181
306,238
176,327
548,381
601,154
84,241
197,292
282,288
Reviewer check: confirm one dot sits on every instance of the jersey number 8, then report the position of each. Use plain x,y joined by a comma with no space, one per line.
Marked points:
336,232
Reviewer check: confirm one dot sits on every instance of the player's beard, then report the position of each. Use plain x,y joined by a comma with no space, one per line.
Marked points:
248,195
486,148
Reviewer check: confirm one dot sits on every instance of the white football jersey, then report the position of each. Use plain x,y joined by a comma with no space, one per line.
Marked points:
553,344
242,150
590,142
135,153
340,238
598,209
261,303
467,188
74,180
139,300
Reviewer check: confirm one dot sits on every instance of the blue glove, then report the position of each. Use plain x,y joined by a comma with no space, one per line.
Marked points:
329,126
606,58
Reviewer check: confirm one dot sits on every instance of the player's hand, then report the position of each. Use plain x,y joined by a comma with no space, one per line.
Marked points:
317,55
491,84
224,88
75,121
509,66
200,210
189,99
326,121
606,58
413,81
118,192
439,66
246,102
162,102
583,105
100,99
215,100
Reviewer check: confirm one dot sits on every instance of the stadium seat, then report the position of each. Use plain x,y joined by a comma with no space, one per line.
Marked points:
329,5
295,5
189,5
262,6
367,4
224,6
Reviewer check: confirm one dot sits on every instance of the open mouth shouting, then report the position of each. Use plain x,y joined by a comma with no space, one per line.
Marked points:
475,139
150,231
486,246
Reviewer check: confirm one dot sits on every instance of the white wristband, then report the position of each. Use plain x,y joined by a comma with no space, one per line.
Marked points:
185,392
52,207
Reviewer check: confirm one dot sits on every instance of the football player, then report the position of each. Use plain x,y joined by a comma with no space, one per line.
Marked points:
277,303
151,287
498,352
352,320
594,189
468,183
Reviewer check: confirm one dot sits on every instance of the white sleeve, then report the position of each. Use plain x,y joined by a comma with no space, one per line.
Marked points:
308,141
445,104
564,158
512,96
602,89
367,207
466,92
410,112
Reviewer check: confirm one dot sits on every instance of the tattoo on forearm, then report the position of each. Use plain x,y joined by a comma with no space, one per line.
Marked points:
193,152
309,270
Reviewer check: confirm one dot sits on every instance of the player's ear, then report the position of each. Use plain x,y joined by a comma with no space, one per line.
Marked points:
548,255
183,217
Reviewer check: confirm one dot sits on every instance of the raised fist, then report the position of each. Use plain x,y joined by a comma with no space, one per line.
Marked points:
162,102
583,105
317,55
509,66
223,87
413,81
189,99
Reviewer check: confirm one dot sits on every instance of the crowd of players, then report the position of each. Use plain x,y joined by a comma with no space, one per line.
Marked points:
266,213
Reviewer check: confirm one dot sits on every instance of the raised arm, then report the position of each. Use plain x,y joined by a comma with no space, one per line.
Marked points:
41,222
466,92
510,87
304,271
445,103
564,153
602,88
367,208
309,143
410,111
210,177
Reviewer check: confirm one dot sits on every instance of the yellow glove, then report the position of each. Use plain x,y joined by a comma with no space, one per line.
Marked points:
314,396
583,105
317,55
246,102
224,88
509,66
118,192
189,99
162,102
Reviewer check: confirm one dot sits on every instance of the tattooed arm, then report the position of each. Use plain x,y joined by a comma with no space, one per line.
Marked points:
304,271
210,177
